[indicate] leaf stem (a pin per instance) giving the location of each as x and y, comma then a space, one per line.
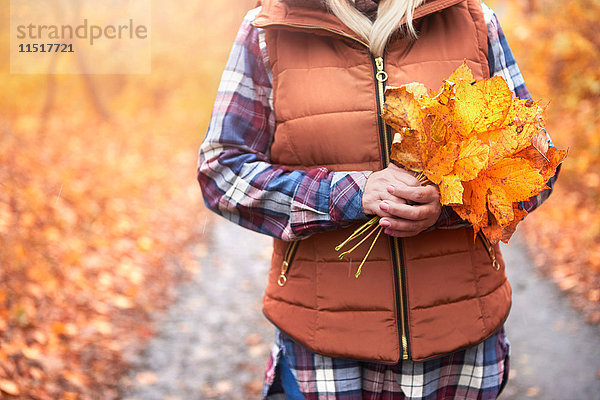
361, 229
379, 230
359, 243
422, 178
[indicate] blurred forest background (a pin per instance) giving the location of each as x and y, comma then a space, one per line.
101, 216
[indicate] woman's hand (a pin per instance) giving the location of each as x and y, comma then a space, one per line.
406, 208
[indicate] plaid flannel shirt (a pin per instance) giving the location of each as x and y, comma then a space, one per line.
477, 373
240, 183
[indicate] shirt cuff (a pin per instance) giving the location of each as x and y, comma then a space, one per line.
345, 200
448, 219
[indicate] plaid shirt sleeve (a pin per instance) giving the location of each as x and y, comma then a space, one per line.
501, 62
238, 180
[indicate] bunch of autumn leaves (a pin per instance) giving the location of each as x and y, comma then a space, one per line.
486, 150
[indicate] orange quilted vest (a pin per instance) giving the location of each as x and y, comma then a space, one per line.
418, 297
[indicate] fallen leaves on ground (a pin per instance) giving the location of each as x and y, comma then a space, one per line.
96, 227
101, 217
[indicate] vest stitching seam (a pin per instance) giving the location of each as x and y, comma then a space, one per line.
477, 285
282, 121
448, 303
290, 303
483, 62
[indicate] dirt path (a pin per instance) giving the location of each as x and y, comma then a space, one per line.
214, 342
555, 354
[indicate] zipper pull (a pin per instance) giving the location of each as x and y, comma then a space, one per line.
287, 259
282, 277
381, 75
495, 263
491, 252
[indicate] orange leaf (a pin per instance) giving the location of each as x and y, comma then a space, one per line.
406, 110
474, 207
405, 150
554, 158
495, 232
442, 163
500, 206
516, 177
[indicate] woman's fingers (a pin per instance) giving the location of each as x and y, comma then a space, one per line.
403, 227
402, 175
415, 194
402, 234
379, 188
406, 208
417, 212
404, 220
387, 192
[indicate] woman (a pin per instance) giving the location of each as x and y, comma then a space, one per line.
296, 150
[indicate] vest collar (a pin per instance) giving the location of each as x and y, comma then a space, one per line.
312, 14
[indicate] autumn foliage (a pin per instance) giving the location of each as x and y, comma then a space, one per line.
486, 150
557, 46
100, 213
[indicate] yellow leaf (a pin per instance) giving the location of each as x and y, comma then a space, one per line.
462, 73
442, 163
525, 111
500, 206
472, 158
508, 141
481, 107
486, 150
405, 109
451, 190
517, 177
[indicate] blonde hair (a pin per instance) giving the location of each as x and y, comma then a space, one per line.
376, 34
